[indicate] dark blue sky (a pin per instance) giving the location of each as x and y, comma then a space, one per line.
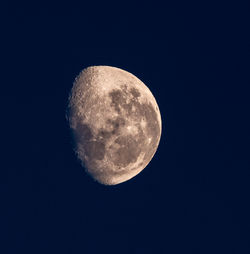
193, 196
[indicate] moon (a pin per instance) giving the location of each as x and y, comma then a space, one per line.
115, 122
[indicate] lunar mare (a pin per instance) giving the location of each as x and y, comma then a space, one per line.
115, 122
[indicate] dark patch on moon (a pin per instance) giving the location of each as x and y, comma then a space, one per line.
117, 99
104, 134
95, 150
135, 92
150, 115
82, 133
128, 151
115, 124
152, 129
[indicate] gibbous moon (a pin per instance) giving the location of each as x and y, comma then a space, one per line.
115, 122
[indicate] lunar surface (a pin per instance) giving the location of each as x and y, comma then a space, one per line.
115, 122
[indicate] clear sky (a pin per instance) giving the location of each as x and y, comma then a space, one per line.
193, 196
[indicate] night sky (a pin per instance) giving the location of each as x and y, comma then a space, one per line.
194, 195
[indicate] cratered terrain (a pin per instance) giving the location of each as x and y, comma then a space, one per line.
115, 122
